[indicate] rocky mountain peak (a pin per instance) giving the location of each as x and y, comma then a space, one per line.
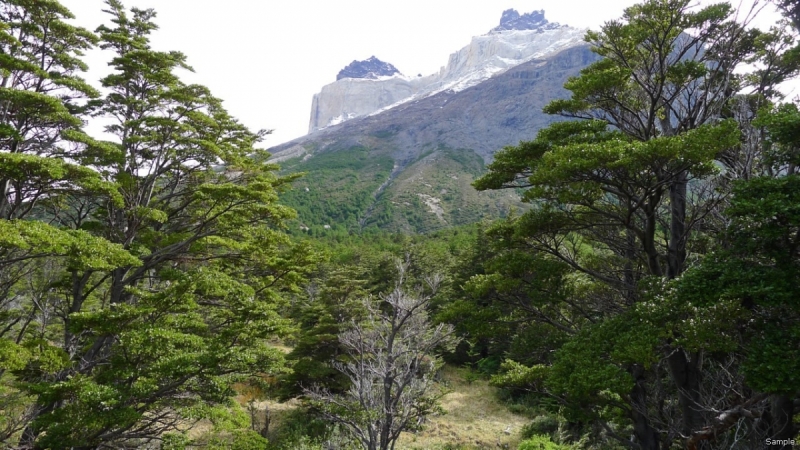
534, 20
371, 68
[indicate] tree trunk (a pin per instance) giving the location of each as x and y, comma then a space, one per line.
31, 432
267, 421
686, 374
5, 189
5, 209
677, 230
649, 237
646, 436
630, 259
781, 413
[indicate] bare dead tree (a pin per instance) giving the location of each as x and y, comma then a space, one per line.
391, 367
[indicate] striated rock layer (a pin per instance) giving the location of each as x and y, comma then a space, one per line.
486, 56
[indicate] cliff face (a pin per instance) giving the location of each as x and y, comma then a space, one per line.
512, 20
517, 40
496, 112
349, 98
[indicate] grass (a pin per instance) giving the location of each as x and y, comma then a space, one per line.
475, 418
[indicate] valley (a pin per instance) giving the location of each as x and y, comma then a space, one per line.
564, 239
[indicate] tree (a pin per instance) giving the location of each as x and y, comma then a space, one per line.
170, 287
506, 300
43, 151
333, 301
791, 10
42, 102
391, 368
756, 266
612, 200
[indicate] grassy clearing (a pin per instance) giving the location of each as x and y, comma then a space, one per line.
475, 419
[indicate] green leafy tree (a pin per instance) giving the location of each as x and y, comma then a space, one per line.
627, 193
173, 260
43, 154
42, 100
507, 301
332, 301
756, 267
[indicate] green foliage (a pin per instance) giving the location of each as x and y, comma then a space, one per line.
142, 279
542, 425
338, 188
79, 249
497, 289
589, 280
229, 430
758, 272
301, 429
239, 440
540, 442
772, 364
355, 266
515, 375
757, 267
331, 305
362, 189
590, 367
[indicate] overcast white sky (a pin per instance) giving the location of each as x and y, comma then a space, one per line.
267, 58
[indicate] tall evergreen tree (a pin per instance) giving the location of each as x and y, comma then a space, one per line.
43, 154
612, 200
169, 290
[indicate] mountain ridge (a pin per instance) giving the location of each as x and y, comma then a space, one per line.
396, 153
485, 56
513, 20
371, 68
410, 168
526, 99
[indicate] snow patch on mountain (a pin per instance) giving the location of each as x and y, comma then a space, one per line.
486, 56
339, 119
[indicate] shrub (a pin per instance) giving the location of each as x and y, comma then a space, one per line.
540, 443
545, 424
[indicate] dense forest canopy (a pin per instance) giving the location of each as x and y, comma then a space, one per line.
152, 297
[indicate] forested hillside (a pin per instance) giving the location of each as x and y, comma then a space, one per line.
156, 292
417, 160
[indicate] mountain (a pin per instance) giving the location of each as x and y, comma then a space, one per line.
518, 39
372, 68
400, 153
512, 20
